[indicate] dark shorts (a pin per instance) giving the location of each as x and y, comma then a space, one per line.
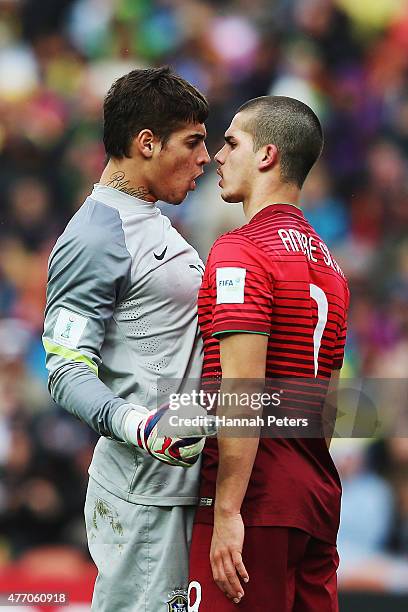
289, 571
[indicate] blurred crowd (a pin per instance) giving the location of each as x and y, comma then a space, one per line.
349, 61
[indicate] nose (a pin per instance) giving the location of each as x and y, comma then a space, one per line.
205, 159
218, 157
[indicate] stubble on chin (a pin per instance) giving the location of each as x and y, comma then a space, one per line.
176, 199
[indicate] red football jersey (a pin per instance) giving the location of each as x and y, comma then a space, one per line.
276, 276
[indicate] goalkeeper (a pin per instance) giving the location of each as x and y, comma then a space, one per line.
121, 318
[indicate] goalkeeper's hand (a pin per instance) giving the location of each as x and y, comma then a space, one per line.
179, 445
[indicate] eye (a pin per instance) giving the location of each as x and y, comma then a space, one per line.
192, 144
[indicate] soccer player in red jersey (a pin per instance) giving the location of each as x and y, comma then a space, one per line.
272, 305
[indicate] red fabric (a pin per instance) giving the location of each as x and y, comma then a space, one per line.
77, 587
294, 482
289, 571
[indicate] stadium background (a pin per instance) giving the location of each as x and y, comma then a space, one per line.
349, 61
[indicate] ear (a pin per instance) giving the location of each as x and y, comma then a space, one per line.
144, 143
269, 157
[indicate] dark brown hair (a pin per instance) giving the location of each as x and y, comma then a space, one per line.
155, 99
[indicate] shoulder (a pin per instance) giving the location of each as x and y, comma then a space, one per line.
235, 245
96, 222
94, 227
93, 236
236, 237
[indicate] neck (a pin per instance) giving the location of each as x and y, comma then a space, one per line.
120, 174
261, 198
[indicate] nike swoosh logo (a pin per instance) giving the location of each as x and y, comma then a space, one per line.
199, 268
160, 257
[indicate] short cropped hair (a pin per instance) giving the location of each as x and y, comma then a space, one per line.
290, 125
155, 99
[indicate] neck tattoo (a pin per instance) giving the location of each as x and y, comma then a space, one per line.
120, 182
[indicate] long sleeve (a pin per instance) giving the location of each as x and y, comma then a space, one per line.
89, 271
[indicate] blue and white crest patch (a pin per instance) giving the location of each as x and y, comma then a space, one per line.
178, 603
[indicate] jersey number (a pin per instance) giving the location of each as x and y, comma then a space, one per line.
319, 296
196, 606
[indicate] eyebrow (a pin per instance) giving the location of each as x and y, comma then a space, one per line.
197, 136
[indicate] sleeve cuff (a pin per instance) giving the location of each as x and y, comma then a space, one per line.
125, 421
239, 331
242, 328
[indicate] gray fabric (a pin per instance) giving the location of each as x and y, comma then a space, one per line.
122, 266
89, 272
141, 552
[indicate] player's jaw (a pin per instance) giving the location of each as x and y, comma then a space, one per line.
177, 187
230, 191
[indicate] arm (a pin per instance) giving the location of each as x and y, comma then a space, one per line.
243, 360
240, 288
89, 273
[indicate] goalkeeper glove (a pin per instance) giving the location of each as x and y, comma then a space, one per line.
181, 446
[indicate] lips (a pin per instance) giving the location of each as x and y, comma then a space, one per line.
193, 181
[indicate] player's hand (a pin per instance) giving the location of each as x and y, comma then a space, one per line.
166, 436
226, 555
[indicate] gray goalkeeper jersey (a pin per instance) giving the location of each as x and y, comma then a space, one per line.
121, 327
